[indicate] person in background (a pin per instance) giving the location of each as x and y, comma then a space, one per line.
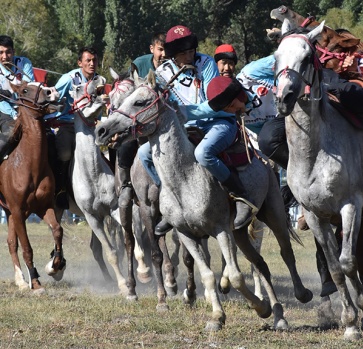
226, 58
154, 59
64, 132
23, 70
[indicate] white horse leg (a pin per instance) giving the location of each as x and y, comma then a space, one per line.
326, 238
143, 271
110, 253
20, 280
209, 282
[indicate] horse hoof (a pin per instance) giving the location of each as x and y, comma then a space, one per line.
132, 298
57, 275
224, 285
39, 291
267, 311
171, 291
189, 298
162, 307
351, 333
144, 277
213, 326
281, 325
306, 297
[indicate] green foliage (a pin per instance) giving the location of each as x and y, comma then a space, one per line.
50, 33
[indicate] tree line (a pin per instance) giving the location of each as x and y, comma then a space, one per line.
50, 32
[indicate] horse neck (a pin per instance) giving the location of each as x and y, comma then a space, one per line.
86, 147
32, 133
172, 151
305, 126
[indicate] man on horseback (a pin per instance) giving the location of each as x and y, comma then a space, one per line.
64, 123
23, 69
189, 88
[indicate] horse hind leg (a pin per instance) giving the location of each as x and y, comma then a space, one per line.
189, 294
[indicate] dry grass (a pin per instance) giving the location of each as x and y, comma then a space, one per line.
82, 312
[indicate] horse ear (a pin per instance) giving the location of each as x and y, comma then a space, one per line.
134, 74
314, 34
114, 75
151, 78
286, 26
349, 42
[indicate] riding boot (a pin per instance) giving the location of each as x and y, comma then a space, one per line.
328, 286
61, 179
5, 145
245, 209
281, 155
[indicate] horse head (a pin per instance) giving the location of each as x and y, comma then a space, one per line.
296, 65
138, 115
36, 96
89, 98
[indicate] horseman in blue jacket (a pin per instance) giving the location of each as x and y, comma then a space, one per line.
190, 89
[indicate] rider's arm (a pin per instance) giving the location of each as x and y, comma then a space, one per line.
202, 111
28, 70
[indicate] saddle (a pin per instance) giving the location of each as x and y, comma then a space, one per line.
235, 156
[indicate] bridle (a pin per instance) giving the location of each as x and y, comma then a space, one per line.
137, 126
314, 66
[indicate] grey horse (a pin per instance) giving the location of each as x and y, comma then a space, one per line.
197, 205
322, 173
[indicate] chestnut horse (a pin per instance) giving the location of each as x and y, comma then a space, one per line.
27, 182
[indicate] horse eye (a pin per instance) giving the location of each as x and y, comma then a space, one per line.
139, 103
25, 90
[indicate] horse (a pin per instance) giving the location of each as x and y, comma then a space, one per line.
93, 180
146, 194
322, 174
195, 203
27, 182
332, 47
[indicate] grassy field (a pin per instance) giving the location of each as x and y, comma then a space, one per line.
82, 312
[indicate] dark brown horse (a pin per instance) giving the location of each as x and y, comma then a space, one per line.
27, 182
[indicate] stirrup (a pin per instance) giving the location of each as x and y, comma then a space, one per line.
254, 209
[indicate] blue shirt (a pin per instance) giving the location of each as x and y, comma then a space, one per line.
23, 69
64, 86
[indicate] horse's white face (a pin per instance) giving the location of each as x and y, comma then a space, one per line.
136, 117
294, 61
89, 97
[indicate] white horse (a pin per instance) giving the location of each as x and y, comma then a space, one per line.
196, 204
325, 162
93, 180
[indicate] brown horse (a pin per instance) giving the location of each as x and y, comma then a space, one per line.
27, 182
334, 49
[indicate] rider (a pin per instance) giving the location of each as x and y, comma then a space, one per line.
154, 59
189, 88
226, 58
23, 69
64, 130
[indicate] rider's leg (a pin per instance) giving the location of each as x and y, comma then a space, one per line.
65, 144
219, 135
6, 128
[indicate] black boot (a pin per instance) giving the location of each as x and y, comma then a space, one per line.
6, 146
245, 209
61, 179
281, 155
162, 227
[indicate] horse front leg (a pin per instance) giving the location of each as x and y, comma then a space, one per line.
57, 264
325, 236
18, 231
13, 247
195, 249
